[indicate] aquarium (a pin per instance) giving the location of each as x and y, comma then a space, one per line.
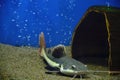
87, 29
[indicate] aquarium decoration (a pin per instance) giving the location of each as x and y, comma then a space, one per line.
97, 36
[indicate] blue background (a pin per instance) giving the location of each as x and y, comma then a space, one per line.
21, 21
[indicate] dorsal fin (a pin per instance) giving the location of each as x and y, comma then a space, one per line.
58, 51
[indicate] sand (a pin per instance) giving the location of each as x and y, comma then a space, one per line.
24, 63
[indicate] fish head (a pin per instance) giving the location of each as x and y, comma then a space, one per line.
73, 69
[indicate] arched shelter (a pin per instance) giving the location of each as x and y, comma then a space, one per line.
97, 37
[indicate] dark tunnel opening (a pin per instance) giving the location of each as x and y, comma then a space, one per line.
90, 39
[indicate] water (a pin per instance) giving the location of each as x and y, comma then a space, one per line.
22, 20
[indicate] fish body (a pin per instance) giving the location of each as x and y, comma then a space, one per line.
57, 58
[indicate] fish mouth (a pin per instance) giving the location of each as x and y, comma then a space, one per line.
73, 72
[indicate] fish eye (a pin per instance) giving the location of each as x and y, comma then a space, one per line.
73, 67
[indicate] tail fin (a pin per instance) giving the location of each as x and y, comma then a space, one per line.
41, 43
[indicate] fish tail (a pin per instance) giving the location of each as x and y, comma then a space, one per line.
42, 44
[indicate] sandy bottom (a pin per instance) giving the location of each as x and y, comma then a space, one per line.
24, 63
